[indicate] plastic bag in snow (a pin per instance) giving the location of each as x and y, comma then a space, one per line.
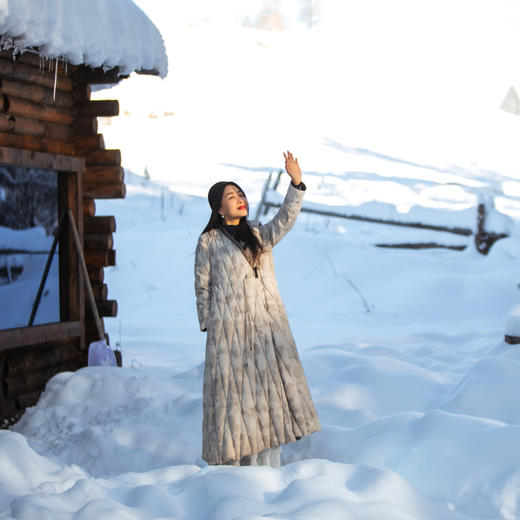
101, 355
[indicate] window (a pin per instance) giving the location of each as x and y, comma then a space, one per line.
36, 192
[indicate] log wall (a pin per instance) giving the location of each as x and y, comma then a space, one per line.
38, 113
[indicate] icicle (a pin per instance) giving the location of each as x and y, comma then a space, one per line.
55, 80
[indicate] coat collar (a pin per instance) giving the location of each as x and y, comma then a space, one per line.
240, 245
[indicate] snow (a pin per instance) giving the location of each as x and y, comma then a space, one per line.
513, 322
403, 350
92, 32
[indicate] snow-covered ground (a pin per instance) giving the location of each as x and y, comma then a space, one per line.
403, 350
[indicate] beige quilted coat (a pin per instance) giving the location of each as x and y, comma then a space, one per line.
255, 393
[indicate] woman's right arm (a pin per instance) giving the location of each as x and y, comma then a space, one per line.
202, 282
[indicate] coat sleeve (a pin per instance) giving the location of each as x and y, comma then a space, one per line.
283, 221
202, 282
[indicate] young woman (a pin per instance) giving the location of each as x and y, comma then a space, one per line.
255, 396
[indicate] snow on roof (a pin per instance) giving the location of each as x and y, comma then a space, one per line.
98, 33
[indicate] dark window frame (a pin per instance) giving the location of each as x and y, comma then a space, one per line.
70, 172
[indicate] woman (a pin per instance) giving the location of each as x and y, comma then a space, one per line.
255, 395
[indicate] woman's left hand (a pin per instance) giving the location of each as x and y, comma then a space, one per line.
293, 168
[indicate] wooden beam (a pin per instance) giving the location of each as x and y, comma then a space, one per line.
32, 381
95, 242
12, 338
95, 225
41, 63
105, 191
97, 76
100, 291
26, 126
85, 126
100, 258
103, 175
418, 225
21, 107
86, 144
423, 245
89, 207
21, 71
95, 274
104, 158
36, 93
98, 108
24, 401
106, 308
81, 92
25, 361
45, 161
38, 144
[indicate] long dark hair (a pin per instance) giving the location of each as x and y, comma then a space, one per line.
245, 233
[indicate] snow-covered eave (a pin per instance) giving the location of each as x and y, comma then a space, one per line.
94, 33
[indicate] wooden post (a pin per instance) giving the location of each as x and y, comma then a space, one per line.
79, 251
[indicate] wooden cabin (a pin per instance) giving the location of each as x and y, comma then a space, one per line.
49, 137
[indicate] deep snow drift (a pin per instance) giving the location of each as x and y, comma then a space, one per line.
416, 397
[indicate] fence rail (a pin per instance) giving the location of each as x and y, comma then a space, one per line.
484, 240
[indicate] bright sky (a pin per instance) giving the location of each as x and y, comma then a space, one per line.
418, 78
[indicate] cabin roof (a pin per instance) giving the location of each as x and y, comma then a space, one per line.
96, 33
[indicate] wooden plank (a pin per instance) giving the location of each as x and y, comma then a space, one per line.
26, 400
423, 245
418, 225
15, 70
22, 107
100, 258
85, 126
97, 76
36, 93
100, 291
45, 161
94, 242
98, 108
27, 126
107, 308
103, 175
81, 92
13, 338
29, 382
104, 158
38, 144
105, 191
86, 144
23, 360
89, 207
95, 274
96, 225
31, 57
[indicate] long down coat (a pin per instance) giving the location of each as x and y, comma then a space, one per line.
255, 394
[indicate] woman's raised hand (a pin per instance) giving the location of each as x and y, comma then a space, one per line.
293, 168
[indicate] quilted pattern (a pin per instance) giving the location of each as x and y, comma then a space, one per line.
255, 393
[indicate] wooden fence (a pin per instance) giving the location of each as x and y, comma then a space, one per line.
484, 239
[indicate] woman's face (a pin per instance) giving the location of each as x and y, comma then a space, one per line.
233, 205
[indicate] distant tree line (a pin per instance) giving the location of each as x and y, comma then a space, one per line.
28, 198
